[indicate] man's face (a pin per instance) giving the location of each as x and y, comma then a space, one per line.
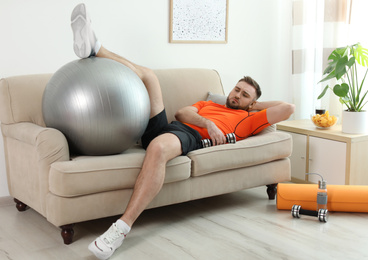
242, 96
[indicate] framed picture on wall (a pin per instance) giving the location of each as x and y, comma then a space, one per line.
198, 21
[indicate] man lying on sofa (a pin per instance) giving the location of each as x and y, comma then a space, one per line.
164, 141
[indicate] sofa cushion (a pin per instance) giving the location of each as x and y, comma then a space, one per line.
254, 150
93, 174
217, 98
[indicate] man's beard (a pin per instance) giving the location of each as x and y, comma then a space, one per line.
230, 105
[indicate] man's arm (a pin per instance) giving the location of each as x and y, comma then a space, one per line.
190, 115
277, 111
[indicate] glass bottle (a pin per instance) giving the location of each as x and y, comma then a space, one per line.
321, 193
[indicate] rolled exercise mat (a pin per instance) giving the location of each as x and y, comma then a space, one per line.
343, 198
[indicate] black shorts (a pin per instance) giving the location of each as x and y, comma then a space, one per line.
190, 139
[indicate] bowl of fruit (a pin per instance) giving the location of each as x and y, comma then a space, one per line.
324, 121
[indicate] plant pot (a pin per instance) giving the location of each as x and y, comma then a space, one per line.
354, 122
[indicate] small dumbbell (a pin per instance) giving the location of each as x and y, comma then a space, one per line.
230, 138
321, 214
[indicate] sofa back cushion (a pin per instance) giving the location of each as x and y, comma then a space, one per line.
184, 87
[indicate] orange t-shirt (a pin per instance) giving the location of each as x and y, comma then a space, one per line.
228, 120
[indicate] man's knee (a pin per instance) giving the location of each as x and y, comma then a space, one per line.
156, 147
166, 146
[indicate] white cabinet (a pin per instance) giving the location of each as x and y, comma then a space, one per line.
317, 155
340, 158
298, 157
328, 158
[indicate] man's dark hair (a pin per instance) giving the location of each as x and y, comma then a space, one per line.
253, 83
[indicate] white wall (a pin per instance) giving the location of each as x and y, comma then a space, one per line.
36, 38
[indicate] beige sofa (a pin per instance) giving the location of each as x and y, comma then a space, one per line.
66, 190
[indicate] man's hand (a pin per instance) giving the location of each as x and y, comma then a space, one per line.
190, 115
216, 134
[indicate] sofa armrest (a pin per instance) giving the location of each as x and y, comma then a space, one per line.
30, 150
51, 145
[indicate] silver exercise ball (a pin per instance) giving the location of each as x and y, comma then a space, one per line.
100, 105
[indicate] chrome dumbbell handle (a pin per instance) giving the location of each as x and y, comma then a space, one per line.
321, 214
230, 138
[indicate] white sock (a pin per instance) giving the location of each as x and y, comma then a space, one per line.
96, 49
124, 226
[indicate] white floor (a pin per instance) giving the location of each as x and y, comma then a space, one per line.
241, 225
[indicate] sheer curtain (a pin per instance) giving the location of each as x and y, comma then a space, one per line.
319, 26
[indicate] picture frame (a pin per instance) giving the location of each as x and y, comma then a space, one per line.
198, 21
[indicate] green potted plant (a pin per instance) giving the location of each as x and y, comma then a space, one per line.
343, 67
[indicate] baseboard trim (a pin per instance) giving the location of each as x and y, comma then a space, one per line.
6, 201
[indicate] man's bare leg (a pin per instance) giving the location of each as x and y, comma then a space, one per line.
151, 178
148, 184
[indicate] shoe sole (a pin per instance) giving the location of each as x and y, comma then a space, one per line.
92, 248
80, 26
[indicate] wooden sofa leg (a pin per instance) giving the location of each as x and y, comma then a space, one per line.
67, 233
20, 205
271, 191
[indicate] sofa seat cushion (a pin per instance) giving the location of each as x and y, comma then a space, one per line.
92, 174
254, 150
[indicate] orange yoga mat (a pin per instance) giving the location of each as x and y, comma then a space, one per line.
343, 198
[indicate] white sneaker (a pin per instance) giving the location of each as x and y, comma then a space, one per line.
106, 244
84, 37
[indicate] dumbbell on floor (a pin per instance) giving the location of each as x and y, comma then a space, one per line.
321, 214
